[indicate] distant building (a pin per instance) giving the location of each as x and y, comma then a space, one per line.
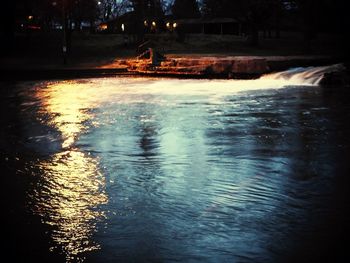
129, 23
125, 23
223, 26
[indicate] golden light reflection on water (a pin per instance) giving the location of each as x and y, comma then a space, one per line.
67, 199
72, 187
68, 105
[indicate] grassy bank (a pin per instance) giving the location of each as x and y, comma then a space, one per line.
45, 50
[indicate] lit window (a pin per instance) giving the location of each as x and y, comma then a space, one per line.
103, 26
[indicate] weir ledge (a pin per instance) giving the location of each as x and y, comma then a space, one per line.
176, 66
218, 66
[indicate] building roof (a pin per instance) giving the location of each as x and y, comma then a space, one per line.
218, 20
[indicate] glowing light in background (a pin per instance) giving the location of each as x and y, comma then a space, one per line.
103, 27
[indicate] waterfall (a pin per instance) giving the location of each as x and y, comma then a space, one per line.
304, 75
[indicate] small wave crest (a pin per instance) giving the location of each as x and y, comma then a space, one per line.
305, 75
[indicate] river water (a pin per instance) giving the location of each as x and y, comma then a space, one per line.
168, 170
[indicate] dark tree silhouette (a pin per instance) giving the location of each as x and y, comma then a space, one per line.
110, 9
146, 10
321, 16
7, 26
258, 14
220, 8
186, 9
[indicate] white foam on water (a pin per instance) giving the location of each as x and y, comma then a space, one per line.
150, 90
304, 76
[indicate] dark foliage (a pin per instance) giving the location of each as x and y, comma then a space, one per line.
186, 9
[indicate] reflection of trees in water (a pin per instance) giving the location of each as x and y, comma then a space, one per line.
148, 132
280, 152
129, 151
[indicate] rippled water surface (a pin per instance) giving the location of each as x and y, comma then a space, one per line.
145, 170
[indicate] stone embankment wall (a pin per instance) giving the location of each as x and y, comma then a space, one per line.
215, 66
